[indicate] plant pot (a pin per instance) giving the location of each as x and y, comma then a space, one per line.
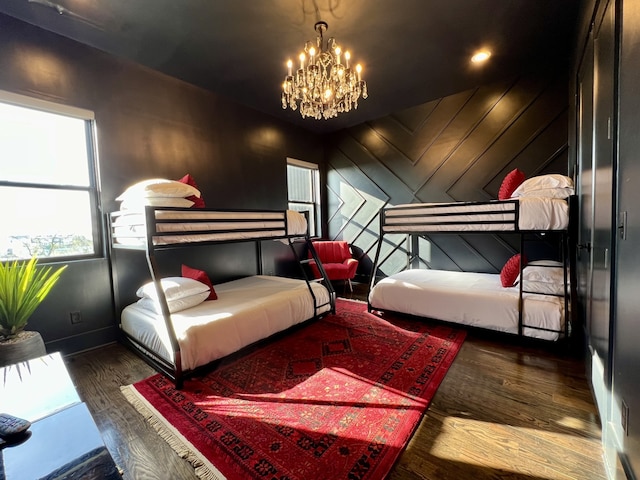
24, 346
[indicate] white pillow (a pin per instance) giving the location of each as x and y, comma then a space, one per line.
139, 203
563, 192
174, 305
544, 271
543, 182
159, 187
174, 288
543, 287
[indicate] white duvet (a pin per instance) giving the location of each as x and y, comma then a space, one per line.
468, 298
247, 310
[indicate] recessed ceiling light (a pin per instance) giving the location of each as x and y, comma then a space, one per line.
481, 56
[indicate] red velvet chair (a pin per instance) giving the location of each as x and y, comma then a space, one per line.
336, 259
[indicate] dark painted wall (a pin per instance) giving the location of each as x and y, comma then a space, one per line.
148, 125
454, 148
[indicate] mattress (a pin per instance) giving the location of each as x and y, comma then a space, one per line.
173, 226
247, 310
468, 298
527, 213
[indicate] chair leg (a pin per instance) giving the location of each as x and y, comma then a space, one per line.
350, 285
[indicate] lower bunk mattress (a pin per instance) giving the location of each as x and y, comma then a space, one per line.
469, 298
247, 310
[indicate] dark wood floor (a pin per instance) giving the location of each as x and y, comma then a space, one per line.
504, 411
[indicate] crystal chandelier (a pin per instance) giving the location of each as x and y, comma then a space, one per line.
323, 87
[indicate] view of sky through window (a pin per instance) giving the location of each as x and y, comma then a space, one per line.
45, 193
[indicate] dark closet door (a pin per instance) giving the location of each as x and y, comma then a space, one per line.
602, 188
585, 181
626, 359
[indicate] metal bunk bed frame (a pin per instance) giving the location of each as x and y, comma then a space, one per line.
151, 243
496, 210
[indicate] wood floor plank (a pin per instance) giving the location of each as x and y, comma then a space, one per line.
503, 411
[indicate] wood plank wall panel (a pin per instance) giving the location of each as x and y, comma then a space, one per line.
456, 148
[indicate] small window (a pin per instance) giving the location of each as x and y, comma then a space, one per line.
48, 187
303, 184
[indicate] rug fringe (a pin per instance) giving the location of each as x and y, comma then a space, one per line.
202, 467
351, 300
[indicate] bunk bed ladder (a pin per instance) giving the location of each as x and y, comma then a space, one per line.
569, 297
324, 279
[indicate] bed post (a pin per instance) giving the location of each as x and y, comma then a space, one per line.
259, 257
520, 283
415, 251
376, 258
162, 299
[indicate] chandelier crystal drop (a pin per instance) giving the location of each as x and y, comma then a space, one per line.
323, 86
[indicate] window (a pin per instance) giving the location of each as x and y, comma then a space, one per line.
303, 184
48, 187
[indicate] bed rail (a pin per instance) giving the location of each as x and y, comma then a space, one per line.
164, 227
488, 216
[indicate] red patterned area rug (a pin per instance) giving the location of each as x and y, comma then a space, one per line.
336, 399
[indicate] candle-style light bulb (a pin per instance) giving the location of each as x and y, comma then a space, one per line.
347, 56
338, 52
289, 65
302, 58
359, 70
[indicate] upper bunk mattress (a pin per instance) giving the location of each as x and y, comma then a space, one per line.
526, 213
468, 298
175, 226
247, 310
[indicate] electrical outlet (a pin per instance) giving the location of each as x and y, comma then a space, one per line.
75, 317
625, 417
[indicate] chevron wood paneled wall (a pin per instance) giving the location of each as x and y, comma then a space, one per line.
456, 148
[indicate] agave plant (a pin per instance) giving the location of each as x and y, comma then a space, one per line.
23, 286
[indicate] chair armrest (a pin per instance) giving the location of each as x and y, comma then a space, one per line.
352, 263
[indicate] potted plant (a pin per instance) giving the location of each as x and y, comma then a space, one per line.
23, 286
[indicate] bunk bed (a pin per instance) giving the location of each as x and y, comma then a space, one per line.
538, 301
177, 325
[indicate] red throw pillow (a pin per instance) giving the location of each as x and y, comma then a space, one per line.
200, 276
198, 202
512, 181
511, 270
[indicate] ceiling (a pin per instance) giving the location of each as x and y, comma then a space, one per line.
412, 51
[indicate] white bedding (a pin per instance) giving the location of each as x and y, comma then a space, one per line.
468, 298
129, 227
535, 213
247, 310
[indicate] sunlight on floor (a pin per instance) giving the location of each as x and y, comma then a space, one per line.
572, 422
502, 447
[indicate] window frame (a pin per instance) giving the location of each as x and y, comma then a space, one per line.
93, 187
315, 192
